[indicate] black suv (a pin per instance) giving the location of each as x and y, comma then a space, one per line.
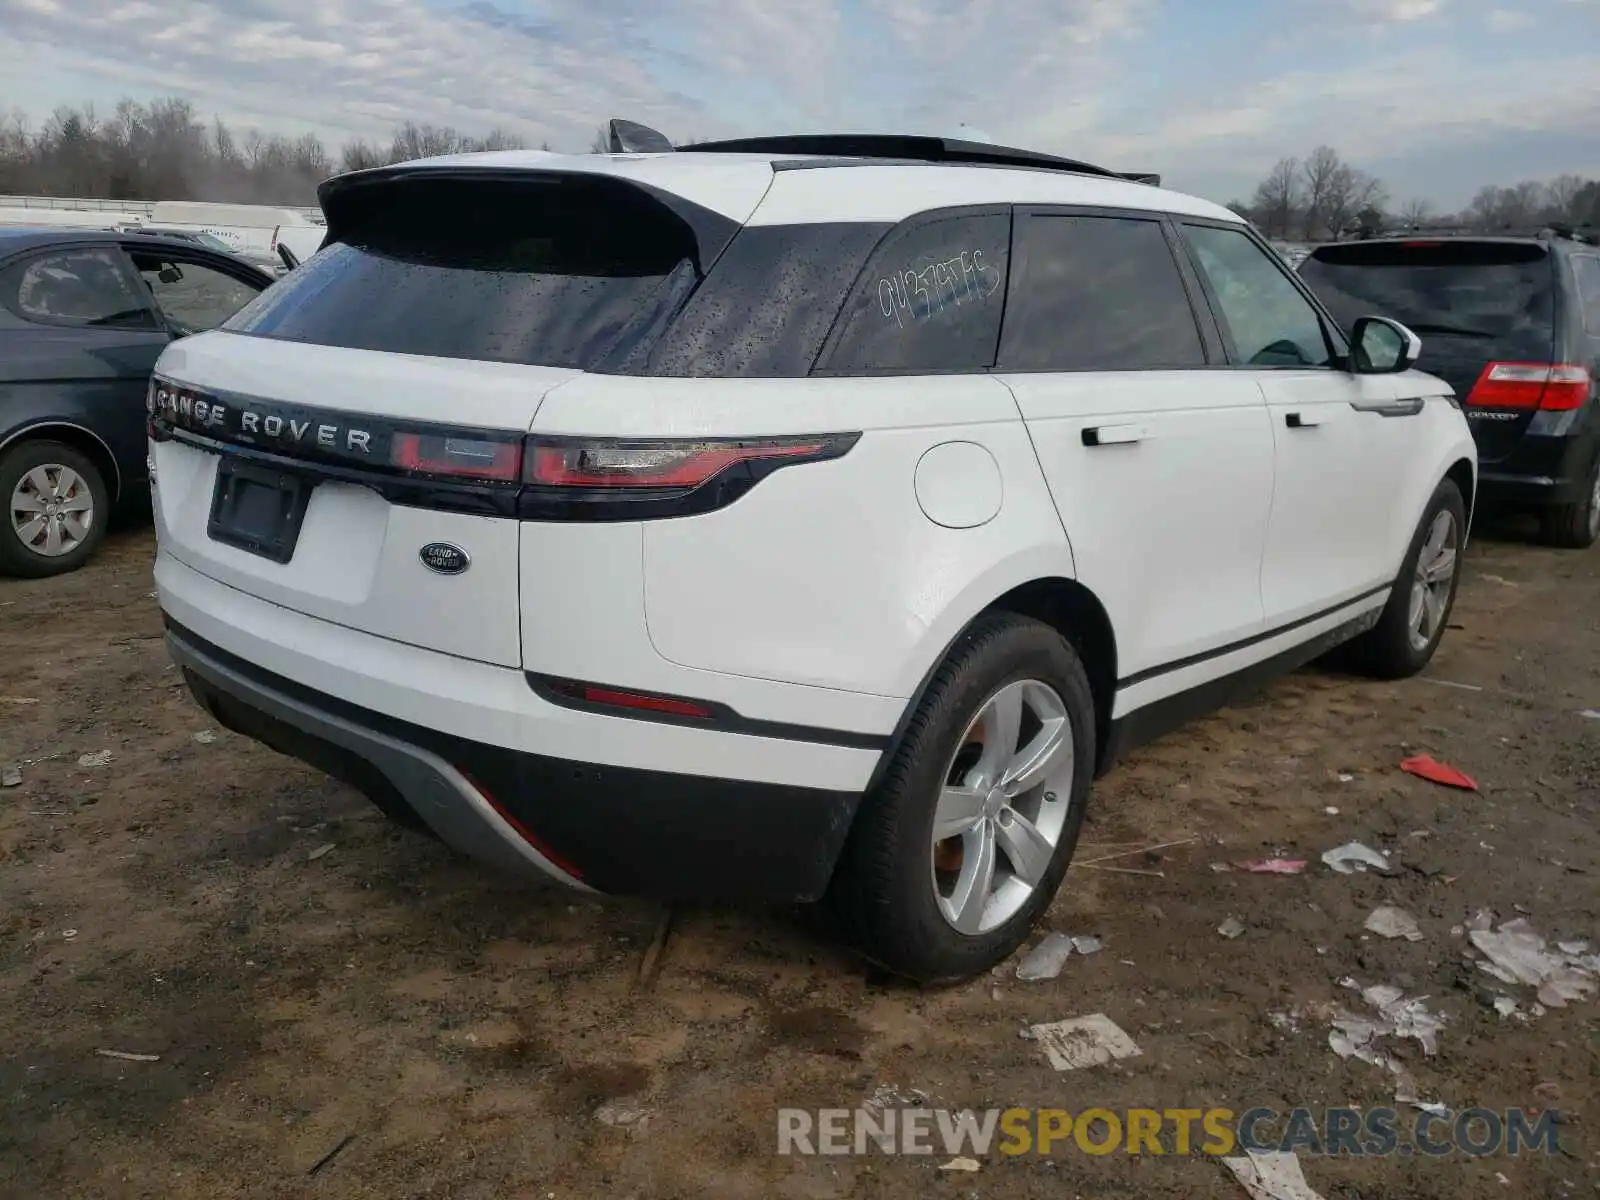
1513, 324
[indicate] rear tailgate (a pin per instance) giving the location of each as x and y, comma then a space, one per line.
350, 444
357, 558
1472, 301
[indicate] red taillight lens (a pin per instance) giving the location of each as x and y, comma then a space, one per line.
456, 457
610, 697
1568, 388
611, 464
1556, 386
660, 704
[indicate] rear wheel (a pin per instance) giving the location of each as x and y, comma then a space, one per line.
1414, 620
961, 847
56, 505
1575, 526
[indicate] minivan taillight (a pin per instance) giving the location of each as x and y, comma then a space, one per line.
1553, 386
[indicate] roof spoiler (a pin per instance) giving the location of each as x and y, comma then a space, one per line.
630, 137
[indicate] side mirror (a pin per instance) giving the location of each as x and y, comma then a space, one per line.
1379, 346
169, 274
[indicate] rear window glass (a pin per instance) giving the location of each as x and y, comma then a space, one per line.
1586, 267
1475, 291
560, 272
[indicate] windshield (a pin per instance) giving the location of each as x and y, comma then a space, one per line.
1493, 292
559, 272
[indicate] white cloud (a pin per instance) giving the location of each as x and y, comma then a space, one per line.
1072, 76
1505, 20
1384, 110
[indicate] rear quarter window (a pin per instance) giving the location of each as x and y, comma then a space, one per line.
560, 271
929, 300
768, 304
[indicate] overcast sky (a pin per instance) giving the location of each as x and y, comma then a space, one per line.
1435, 96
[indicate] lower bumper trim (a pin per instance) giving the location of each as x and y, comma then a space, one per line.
623, 829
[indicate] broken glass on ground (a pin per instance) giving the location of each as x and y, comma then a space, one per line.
1516, 954
1391, 922
1353, 856
1046, 959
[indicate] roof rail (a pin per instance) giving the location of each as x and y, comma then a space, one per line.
906, 146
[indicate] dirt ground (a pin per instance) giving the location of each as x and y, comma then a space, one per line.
453, 1035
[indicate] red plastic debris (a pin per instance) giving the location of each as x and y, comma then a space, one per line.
1274, 866
1424, 766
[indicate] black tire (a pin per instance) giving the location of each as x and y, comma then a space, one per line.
1575, 526
17, 557
1387, 651
882, 898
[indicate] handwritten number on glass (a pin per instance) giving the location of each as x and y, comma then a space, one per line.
920, 295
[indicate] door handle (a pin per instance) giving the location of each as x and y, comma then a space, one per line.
1115, 435
1409, 407
1305, 420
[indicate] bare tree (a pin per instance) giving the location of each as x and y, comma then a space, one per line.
358, 155
1561, 197
1414, 213
163, 150
1352, 198
423, 141
1277, 198
1322, 173
601, 142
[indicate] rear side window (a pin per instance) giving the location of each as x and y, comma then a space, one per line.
1586, 267
89, 287
766, 307
1096, 294
192, 296
1493, 297
929, 300
560, 271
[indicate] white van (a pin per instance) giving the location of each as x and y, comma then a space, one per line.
248, 228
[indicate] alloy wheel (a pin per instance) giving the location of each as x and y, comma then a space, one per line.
1430, 590
1004, 805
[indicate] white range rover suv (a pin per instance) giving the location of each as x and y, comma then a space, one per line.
793, 519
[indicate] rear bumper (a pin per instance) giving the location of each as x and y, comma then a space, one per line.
1541, 470
612, 829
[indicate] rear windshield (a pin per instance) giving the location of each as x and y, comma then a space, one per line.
1491, 292
560, 271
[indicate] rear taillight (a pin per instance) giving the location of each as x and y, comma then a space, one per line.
617, 479
1554, 386
607, 464
456, 457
